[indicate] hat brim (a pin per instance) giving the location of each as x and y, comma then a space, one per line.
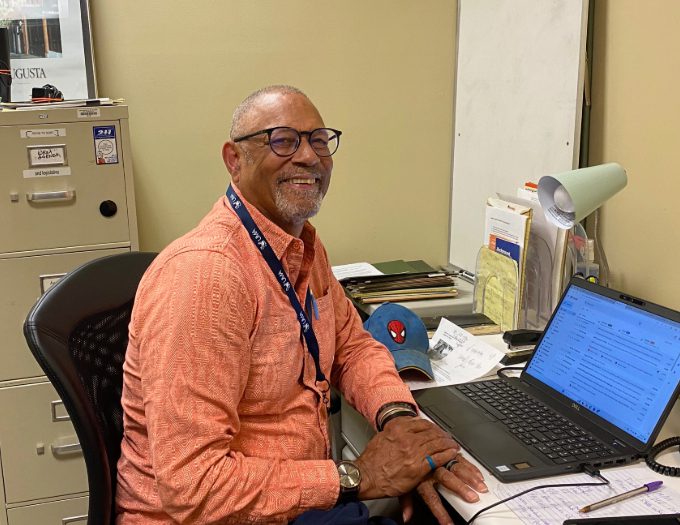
413, 360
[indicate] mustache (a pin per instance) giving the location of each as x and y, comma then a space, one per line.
300, 172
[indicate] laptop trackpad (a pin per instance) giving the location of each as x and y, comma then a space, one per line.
454, 418
495, 447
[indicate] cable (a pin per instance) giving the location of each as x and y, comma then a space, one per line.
501, 371
656, 450
589, 469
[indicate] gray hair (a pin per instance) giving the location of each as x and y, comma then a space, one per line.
244, 108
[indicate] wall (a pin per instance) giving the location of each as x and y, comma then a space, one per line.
381, 71
636, 122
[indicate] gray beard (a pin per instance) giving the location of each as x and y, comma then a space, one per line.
296, 212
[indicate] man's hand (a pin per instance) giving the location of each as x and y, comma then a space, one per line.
394, 461
461, 480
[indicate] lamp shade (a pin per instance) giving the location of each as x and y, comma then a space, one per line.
569, 197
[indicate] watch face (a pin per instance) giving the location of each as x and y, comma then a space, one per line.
350, 477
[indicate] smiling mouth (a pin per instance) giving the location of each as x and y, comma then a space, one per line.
304, 181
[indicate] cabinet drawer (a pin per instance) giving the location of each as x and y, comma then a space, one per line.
63, 512
58, 205
22, 280
35, 435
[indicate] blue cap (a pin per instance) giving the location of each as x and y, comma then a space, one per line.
404, 335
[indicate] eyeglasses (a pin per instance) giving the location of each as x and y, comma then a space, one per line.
285, 141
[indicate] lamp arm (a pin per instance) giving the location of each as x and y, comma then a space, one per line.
557, 281
601, 258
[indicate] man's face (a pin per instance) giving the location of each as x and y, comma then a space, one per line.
287, 190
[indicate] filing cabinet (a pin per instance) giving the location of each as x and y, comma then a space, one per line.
66, 197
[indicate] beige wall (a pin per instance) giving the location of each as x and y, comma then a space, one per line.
381, 71
636, 122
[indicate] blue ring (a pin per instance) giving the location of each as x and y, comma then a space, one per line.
433, 465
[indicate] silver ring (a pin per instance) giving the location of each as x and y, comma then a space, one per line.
449, 465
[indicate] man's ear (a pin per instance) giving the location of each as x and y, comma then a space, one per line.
232, 159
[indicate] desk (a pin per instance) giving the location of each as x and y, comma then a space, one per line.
356, 432
502, 515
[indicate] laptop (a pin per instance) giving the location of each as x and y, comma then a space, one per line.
600, 384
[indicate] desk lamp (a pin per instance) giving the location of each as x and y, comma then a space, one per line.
569, 197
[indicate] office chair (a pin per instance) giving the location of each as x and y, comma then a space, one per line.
78, 333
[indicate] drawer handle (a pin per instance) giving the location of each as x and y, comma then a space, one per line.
74, 519
66, 450
51, 196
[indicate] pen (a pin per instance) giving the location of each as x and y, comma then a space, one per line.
647, 487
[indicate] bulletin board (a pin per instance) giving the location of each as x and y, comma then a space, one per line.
518, 100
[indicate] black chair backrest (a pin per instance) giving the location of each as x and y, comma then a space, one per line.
78, 333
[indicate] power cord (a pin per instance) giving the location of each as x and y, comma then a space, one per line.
656, 450
589, 469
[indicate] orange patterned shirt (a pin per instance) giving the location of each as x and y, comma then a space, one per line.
223, 422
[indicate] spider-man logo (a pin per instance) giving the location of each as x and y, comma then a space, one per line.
397, 331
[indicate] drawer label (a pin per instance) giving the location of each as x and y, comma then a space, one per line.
42, 133
88, 112
48, 281
105, 147
54, 155
46, 172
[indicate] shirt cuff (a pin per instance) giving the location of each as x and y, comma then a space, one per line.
320, 484
381, 397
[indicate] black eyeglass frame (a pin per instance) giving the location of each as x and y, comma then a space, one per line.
269, 132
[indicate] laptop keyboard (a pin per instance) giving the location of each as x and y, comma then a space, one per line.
536, 424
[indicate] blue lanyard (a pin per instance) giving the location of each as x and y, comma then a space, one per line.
274, 264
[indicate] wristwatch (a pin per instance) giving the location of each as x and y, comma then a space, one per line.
350, 478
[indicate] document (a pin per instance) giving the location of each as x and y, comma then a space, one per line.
538, 263
506, 231
360, 269
508, 222
553, 506
457, 357
496, 293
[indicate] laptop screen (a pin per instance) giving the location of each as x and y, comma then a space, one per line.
611, 357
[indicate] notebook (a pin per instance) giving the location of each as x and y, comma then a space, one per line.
596, 391
650, 519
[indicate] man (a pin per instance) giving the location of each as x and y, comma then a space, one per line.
237, 330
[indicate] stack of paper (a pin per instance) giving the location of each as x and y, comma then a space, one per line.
401, 281
500, 267
74, 103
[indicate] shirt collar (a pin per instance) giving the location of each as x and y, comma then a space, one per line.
278, 239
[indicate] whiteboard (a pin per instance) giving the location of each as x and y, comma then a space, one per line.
519, 91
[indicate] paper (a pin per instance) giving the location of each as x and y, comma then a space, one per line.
496, 288
506, 221
539, 262
553, 506
360, 269
506, 231
457, 357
